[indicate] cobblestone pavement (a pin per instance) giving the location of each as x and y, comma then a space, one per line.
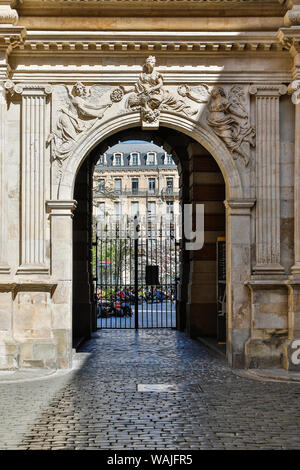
99, 406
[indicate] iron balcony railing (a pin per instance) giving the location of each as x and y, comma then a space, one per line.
139, 193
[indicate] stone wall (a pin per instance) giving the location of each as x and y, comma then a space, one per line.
229, 83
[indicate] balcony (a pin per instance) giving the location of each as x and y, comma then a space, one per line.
165, 193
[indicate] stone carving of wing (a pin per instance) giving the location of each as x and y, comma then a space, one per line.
198, 93
96, 93
62, 95
237, 98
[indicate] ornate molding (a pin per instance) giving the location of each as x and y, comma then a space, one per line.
289, 38
138, 42
11, 37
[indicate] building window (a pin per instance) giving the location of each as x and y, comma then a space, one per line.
101, 210
169, 160
118, 186
117, 210
102, 160
134, 161
151, 210
135, 185
170, 209
151, 157
134, 209
117, 161
101, 185
151, 185
169, 182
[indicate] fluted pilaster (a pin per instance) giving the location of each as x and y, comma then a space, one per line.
33, 109
4, 268
268, 178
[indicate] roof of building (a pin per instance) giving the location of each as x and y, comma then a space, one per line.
128, 147
135, 146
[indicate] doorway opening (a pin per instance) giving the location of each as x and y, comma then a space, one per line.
136, 248
163, 284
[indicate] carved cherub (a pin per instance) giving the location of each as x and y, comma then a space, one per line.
229, 120
78, 116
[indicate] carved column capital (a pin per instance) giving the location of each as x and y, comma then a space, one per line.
293, 86
8, 15
268, 90
294, 90
35, 89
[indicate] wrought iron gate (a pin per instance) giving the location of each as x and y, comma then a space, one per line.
136, 271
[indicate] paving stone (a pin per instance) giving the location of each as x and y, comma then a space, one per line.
99, 406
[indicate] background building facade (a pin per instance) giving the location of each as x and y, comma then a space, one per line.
136, 178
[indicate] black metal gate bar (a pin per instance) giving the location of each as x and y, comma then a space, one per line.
126, 299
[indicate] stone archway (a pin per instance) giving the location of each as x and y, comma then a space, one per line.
65, 187
238, 211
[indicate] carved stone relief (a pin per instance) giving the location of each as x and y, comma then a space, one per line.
151, 97
229, 119
82, 109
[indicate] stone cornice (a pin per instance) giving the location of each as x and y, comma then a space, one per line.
204, 2
289, 38
147, 42
11, 37
146, 8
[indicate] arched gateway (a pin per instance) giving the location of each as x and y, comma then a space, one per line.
204, 106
